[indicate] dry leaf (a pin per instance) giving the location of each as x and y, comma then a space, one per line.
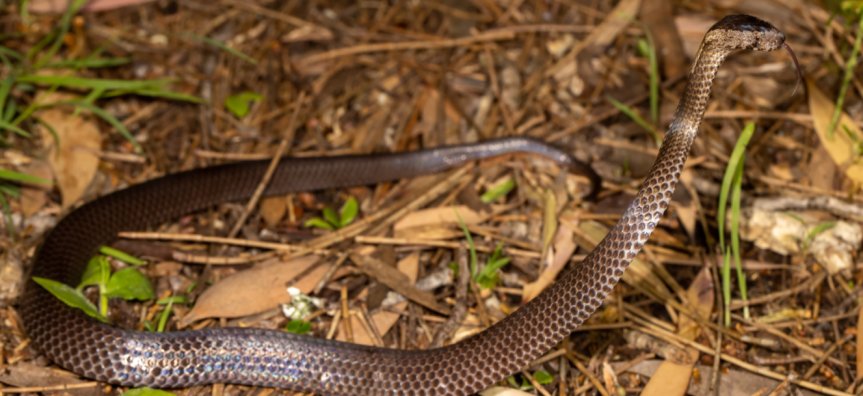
841, 146
559, 255
429, 232
501, 391
384, 320
439, 216
255, 290
700, 293
34, 196
510, 87
308, 33
60, 6
672, 376
273, 210
821, 170
75, 165
733, 382
618, 19
23, 374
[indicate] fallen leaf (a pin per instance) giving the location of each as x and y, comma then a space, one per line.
501, 391
273, 210
429, 232
618, 19
308, 33
59, 6
384, 320
559, 254
840, 146
821, 170
672, 376
23, 374
732, 382
439, 216
256, 290
75, 164
398, 282
34, 196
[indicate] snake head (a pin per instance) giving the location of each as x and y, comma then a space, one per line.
737, 32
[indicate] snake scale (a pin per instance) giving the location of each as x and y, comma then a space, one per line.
279, 359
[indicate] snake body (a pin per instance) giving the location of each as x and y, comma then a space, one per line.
280, 359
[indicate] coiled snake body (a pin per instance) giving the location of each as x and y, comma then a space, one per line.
279, 359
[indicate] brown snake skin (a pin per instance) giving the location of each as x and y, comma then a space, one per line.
279, 359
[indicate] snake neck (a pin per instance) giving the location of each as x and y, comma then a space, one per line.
690, 110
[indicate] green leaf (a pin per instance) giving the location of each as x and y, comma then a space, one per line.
145, 391
318, 223
543, 377
298, 326
239, 104
331, 217
130, 284
17, 176
498, 191
454, 267
98, 272
349, 212
70, 296
120, 255
487, 278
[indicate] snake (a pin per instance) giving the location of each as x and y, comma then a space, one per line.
271, 358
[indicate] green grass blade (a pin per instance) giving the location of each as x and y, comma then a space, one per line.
18, 176
5, 87
7, 211
53, 133
498, 191
221, 46
736, 186
11, 53
473, 261
849, 72
736, 156
13, 128
121, 255
157, 93
10, 190
637, 118
94, 83
88, 63
107, 117
65, 23
726, 284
